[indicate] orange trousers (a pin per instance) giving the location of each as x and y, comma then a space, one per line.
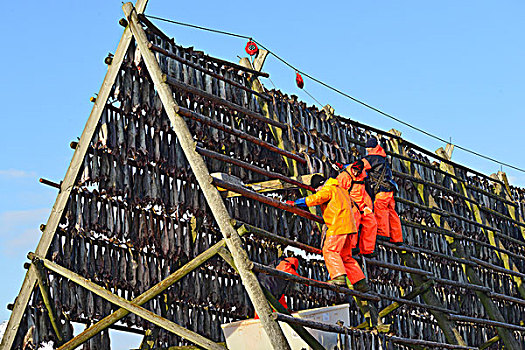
337, 254
388, 223
367, 237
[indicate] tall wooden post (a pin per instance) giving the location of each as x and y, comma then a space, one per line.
215, 202
67, 185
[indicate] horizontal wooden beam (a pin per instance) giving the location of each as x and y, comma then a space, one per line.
333, 328
223, 102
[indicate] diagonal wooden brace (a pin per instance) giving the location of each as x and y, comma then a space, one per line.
131, 307
144, 297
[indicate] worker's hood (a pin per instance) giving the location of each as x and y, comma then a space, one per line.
377, 151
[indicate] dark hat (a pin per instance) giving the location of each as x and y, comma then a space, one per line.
317, 180
358, 166
371, 142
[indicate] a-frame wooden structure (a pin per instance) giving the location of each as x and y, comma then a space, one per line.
443, 203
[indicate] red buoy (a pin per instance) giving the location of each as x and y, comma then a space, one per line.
251, 48
299, 80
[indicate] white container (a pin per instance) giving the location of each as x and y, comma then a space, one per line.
249, 334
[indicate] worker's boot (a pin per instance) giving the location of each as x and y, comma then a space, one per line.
338, 281
367, 307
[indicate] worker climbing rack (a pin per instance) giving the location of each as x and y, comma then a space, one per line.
141, 240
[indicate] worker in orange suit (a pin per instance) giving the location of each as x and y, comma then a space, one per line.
277, 286
336, 207
383, 187
352, 179
338, 216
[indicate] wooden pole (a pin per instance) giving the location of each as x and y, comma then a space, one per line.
396, 305
303, 333
123, 303
144, 297
327, 327
67, 184
43, 284
215, 202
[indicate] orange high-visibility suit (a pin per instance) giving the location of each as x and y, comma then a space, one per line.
336, 207
277, 286
388, 223
363, 209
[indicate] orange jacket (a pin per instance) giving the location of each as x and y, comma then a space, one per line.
289, 265
358, 192
336, 207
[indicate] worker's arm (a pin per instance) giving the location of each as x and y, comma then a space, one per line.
367, 164
318, 198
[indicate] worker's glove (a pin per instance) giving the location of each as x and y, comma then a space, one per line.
292, 203
337, 166
367, 211
301, 202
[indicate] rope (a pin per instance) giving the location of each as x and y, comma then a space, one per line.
338, 91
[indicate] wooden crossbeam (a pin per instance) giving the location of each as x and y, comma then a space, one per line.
130, 306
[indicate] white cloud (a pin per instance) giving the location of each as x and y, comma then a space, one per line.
17, 174
19, 229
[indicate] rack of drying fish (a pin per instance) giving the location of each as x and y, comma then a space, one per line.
135, 215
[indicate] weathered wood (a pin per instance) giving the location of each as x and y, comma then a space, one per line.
160, 50
477, 320
130, 306
300, 330
263, 233
307, 337
327, 327
490, 342
146, 296
267, 200
220, 101
43, 284
448, 327
208, 121
68, 183
215, 202
275, 238
396, 305
457, 250
310, 282
300, 181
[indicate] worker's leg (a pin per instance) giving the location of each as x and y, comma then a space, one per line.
396, 234
355, 237
381, 213
332, 247
367, 239
352, 269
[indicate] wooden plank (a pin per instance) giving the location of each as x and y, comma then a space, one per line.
130, 306
272, 185
215, 201
67, 184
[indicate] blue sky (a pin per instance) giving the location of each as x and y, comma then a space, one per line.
455, 69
